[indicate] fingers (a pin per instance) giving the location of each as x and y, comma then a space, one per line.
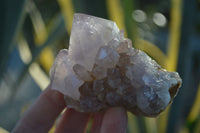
73, 122
114, 121
40, 117
96, 123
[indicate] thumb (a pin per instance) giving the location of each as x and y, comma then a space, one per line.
114, 121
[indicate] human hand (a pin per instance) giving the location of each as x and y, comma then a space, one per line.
40, 117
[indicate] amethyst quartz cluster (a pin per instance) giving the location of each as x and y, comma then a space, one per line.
101, 69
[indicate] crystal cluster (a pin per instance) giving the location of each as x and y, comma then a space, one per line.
101, 70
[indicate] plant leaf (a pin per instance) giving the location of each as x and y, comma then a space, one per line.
13, 16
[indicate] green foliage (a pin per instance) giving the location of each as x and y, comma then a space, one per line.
12, 16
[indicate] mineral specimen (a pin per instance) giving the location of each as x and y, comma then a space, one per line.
101, 70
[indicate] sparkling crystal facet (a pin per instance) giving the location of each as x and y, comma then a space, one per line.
107, 57
87, 36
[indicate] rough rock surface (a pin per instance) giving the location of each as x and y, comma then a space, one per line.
101, 69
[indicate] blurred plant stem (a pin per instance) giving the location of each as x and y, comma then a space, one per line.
54, 36
172, 52
196, 108
115, 13
128, 8
46, 57
14, 12
67, 12
174, 35
189, 72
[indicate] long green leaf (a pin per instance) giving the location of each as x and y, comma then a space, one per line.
12, 19
128, 7
188, 69
54, 37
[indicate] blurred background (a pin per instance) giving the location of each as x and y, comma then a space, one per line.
33, 31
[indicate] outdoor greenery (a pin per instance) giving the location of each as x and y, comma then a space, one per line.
33, 31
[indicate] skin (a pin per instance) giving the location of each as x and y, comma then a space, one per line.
40, 117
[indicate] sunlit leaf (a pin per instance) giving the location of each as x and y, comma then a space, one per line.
188, 68
67, 12
56, 34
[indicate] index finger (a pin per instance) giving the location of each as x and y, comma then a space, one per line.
41, 115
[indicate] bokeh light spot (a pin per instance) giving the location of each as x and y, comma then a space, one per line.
159, 19
139, 16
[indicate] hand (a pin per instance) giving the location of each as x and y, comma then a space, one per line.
41, 116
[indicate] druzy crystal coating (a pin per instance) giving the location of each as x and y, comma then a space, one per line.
101, 70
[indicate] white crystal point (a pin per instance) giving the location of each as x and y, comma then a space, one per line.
63, 77
106, 57
88, 34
